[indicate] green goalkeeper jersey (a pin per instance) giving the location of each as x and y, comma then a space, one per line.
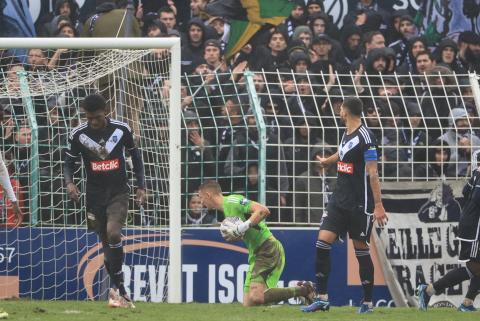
237, 205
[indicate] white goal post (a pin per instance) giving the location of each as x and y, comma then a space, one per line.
174, 229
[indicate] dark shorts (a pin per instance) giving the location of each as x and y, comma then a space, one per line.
355, 221
105, 207
469, 233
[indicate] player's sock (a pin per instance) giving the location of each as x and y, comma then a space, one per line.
275, 295
115, 262
452, 278
106, 257
366, 273
473, 289
322, 266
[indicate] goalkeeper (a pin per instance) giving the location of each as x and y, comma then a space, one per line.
266, 256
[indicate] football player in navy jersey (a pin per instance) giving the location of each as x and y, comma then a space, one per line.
355, 204
469, 236
101, 142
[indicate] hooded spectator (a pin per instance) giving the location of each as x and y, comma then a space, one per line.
446, 53
469, 51
462, 142
407, 30
299, 62
351, 37
192, 49
64, 8
438, 161
315, 6
393, 31
368, 15
271, 56
321, 23
296, 18
415, 45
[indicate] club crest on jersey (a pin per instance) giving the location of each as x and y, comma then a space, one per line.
114, 139
347, 146
243, 201
346, 168
106, 165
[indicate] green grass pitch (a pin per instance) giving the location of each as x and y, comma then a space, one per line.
98, 311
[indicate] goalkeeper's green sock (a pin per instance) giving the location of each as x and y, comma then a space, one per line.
275, 295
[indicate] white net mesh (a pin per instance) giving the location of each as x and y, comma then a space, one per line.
41, 95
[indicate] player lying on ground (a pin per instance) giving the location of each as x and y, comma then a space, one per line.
354, 205
101, 142
266, 257
469, 236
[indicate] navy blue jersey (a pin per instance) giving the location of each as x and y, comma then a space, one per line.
353, 185
471, 190
103, 153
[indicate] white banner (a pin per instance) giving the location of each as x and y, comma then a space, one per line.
420, 239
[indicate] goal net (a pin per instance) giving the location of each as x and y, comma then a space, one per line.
53, 255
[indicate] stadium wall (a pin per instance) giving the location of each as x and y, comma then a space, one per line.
213, 270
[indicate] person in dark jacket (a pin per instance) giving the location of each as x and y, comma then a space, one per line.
197, 214
296, 18
438, 160
109, 21
63, 9
198, 162
192, 49
414, 46
351, 37
446, 54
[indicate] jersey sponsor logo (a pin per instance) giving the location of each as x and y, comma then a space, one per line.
347, 146
106, 165
346, 168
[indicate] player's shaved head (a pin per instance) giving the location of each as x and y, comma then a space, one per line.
354, 106
211, 187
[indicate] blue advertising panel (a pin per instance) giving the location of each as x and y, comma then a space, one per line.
68, 264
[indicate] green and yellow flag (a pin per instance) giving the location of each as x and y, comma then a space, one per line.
259, 13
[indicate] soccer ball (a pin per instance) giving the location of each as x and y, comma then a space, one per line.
227, 226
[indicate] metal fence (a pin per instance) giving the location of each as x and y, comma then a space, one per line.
426, 126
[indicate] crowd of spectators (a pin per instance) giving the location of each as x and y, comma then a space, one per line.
420, 111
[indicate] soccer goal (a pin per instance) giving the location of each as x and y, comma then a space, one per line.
43, 82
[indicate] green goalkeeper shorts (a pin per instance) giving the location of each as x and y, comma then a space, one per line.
266, 264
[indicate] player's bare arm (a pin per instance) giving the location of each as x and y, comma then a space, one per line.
139, 171
325, 162
259, 213
379, 213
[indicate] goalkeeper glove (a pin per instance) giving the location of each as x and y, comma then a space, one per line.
240, 229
